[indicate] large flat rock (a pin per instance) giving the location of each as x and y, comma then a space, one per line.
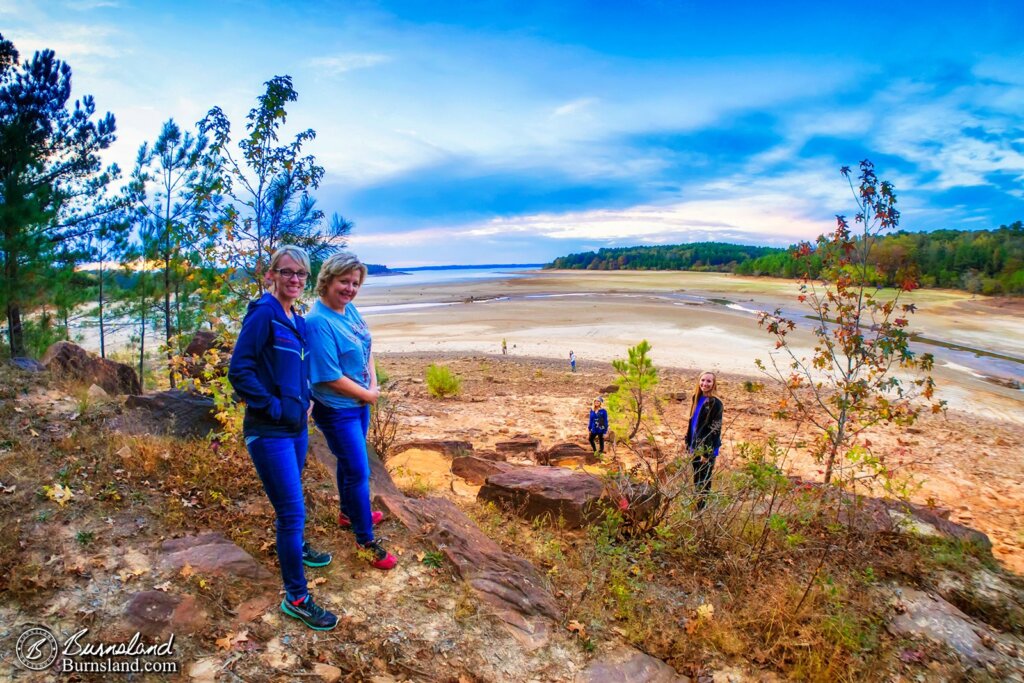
211, 553
550, 492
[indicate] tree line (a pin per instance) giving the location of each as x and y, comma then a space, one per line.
176, 244
978, 261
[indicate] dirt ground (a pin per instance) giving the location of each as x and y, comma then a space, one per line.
971, 464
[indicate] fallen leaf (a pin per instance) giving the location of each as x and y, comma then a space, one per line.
7, 489
165, 586
186, 571
312, 583
706, 612
127, 575
58, 493
578, 628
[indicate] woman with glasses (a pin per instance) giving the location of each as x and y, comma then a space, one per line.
344, 387
270, 371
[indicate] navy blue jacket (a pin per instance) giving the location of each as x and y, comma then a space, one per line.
598, 421
709, 427
270, 370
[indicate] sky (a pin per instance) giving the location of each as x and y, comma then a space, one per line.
515, 132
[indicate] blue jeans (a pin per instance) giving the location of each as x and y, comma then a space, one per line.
279, 462
345, 430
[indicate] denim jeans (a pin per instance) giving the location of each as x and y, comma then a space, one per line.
345, 431
279, 461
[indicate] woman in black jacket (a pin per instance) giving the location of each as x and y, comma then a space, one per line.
704, 434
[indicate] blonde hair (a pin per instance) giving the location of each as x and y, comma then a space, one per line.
336, 265
696, 390
298, 254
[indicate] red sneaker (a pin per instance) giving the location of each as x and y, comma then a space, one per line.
345, 523
381, 558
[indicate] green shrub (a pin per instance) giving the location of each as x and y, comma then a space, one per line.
442, 382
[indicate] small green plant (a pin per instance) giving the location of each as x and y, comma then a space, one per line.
442, 382
634, 399
85, 537
433, 559
752, 387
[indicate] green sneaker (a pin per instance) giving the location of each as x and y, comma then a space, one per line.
310, 613
314, 558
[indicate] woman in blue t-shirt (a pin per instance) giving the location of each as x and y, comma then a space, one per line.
704, 434
344, 387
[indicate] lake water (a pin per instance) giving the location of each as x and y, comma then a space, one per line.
447, 275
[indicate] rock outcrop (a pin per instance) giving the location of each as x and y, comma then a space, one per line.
70, 360
211, 553
183, 414
476, 470
551, 492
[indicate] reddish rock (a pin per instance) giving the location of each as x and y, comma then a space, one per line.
624, 664
567, 454
550, 492
182, 413
450, 448
490, 455
520, 444
509, 585
157, 614
610, 389
213, 554
476, 470
70, 360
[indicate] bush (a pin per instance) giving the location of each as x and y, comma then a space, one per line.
442, 382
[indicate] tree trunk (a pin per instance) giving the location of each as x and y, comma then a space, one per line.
103, 347
15, 335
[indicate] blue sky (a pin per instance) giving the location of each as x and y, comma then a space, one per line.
516, 131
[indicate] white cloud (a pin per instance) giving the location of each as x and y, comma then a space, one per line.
339, 64
574, 106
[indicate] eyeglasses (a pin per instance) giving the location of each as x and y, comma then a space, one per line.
288, 273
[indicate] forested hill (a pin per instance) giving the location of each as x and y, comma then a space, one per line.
979, 261
716, 256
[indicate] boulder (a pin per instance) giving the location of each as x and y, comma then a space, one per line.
924, 615
184, 414
509, 586
475, 470
28, 364
521, 445
610, 389
451, 448
624, 664
70, 360
212, 554
156, 614
567, 455
552, 492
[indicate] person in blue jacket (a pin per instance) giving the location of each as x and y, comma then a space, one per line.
269, 370
704, 434
598, 426
344, 387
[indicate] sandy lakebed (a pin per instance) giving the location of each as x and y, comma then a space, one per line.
970, 459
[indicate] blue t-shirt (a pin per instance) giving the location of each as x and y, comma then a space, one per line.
339, 346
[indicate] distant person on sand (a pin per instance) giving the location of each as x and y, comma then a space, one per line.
344, 387
270, 371
504, 347
704, 434
598, 425
572, 360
